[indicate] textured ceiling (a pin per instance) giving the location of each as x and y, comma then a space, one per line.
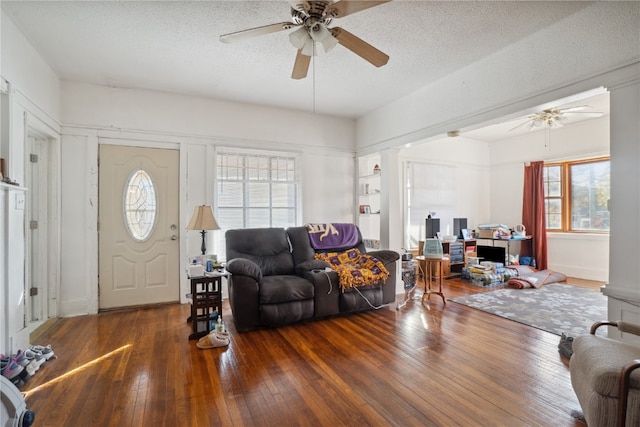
174, 47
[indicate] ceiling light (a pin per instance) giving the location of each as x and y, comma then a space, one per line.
299, 37
309, 48
320, 33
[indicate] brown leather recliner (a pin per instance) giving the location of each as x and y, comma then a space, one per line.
275, 279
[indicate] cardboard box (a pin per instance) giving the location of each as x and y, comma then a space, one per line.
486, 234
195, 270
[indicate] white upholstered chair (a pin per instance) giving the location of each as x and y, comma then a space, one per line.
606, 378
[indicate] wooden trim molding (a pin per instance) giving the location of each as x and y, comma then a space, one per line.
631, 296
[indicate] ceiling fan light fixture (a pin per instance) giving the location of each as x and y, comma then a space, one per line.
329, 43
321, 34
309, 47
299, 37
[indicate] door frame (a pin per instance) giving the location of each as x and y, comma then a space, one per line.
34, 128
197, 173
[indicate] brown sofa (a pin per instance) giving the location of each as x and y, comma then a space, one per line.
275, 279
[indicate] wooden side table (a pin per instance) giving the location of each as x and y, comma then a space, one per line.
434, 272
206, 298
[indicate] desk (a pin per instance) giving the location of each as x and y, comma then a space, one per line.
434, 272
206, 299
527, 240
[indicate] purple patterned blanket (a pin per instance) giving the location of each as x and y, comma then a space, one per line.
331, 236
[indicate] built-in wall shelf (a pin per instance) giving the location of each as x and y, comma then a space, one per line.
369, 197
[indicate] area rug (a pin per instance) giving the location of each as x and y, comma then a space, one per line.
557, 308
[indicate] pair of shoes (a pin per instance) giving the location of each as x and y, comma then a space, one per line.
566, 346
213, 339
35, 358
46, 350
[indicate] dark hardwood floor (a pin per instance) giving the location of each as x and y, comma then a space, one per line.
430, 365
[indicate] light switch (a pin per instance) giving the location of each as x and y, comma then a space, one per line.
20, 200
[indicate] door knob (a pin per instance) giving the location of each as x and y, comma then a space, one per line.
174, 237
173, 226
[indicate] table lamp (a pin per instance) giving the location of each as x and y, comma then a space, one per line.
203, 220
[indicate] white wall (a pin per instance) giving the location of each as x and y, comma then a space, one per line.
78, 263
623, 288
328, 194
255, 126
34, 89
472, 174
97, 114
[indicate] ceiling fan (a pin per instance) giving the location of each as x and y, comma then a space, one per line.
312, 20
555, 117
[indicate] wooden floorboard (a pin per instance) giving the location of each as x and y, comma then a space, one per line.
423, 365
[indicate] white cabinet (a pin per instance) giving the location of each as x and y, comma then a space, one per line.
13, 334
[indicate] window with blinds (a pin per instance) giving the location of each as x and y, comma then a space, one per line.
428, 188
256, 189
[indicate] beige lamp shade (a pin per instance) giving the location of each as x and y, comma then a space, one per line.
202, 220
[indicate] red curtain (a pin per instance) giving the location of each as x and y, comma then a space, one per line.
533, 212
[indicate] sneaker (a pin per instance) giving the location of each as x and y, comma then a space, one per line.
35, 356
20, 358
31, 369
14, 372
34, 365
46, 351
566, 346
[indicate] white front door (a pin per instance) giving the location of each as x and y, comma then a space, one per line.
138, 226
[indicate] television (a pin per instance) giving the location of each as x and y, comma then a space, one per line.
491, 253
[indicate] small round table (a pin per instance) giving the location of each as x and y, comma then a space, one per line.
433, 272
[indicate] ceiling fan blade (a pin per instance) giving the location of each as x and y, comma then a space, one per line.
301, 66
360, 47
574, 109
526, 122
344, 8
258, 31
584, 114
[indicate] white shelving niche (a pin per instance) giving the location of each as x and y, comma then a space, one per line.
369, 185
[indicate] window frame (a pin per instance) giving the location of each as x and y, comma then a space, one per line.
566, 194
252, 175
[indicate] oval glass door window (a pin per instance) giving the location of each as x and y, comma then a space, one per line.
140, 202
